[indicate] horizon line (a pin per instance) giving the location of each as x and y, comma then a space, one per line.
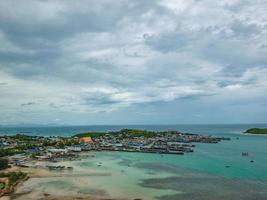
73, 125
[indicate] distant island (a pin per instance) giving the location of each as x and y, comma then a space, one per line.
256, 131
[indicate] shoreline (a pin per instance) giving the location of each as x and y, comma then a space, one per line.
252, 134
81, 183
32, 189
44, 173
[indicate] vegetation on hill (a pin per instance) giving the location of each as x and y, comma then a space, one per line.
91, 134
137, 133
23, 137
257, 131
125, 133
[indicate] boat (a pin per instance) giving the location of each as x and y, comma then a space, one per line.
244, 153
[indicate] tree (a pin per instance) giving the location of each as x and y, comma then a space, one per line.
3, 163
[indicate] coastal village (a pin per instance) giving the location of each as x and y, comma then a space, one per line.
19, 150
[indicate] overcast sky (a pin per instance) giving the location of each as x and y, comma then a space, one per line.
133, 61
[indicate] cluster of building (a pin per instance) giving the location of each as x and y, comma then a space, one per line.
20, 149
58, 148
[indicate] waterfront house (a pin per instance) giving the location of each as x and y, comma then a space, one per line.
86, 140
75, 149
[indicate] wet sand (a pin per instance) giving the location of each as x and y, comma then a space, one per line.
135, 176
110, 181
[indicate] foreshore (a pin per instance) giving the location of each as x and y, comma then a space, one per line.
114, 179
50, 158
39, 173
36, 174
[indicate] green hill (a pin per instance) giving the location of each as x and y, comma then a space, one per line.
124, 133
257, 131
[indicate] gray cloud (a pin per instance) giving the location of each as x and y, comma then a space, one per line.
245, 30
89, 57
169, 42
100, 101
27, 104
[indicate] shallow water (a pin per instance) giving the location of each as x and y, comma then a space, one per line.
146, 176
199, 175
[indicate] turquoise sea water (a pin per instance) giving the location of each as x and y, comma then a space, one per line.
213, 171
70, 130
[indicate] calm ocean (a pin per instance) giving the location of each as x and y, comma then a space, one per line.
71, 130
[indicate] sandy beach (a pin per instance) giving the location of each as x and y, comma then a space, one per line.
130, 176
87, 181
5, 198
